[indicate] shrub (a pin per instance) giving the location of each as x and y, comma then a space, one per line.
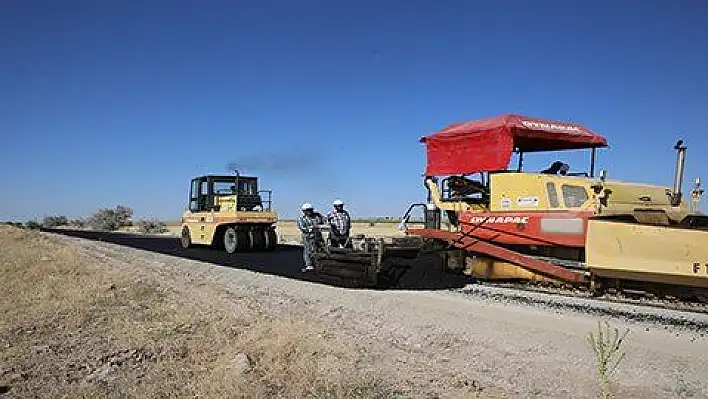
80, 223
55, 221
33, 224
152, 226
111, 219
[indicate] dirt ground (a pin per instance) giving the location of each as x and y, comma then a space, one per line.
86, 318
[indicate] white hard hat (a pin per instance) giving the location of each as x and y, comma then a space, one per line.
306, 205
338, 202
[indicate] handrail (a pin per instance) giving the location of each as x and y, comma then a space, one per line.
268, 201
406, 216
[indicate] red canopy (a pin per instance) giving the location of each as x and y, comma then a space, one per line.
487, 144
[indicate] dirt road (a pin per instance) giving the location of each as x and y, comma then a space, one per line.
425, 341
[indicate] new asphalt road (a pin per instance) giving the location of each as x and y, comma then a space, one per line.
286, 261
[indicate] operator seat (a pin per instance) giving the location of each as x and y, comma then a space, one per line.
247, 201
461, 188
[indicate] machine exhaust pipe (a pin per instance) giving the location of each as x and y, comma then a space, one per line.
678, 178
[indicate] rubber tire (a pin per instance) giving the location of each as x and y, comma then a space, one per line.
256, 239
231, 240
270, 239
244, 239
185, 239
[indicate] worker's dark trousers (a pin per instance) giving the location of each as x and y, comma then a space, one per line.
339, 241
309, 247
308, 252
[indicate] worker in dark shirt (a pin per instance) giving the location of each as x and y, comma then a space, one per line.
340, 224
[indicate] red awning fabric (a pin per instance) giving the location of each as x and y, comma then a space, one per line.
487, 144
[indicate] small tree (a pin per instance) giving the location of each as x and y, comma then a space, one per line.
55, 221
111, 219
33, 224
124, 215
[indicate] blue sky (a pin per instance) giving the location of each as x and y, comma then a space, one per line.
122, 102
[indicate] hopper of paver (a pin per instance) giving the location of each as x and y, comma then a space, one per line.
369, 262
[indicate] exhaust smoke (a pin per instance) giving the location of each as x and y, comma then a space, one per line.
277, 163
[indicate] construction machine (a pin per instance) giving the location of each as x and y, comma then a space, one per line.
555, 226
229, 212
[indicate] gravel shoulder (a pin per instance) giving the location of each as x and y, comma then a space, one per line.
440, 343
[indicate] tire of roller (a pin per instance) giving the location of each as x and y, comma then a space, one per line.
256, 239
244, 239
270, 239
231, 240
185, 239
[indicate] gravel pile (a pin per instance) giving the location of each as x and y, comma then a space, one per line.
652, 317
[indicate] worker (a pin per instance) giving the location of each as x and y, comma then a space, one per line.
340, 224
557, 167
309, 223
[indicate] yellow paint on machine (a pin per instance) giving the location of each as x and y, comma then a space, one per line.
202, 225
491, 269
522, 191
660, 254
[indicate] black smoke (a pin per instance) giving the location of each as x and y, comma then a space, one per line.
283, 164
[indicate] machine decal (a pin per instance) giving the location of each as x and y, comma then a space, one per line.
562, 225
499, 219
697, 267
527, 201
550, 126
251, 220
506, 203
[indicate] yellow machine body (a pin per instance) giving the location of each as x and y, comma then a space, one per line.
640, 252
615, 230
203, 225
492, 269
535, 192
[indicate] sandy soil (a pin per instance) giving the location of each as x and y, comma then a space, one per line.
210, 320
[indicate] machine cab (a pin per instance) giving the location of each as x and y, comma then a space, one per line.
223, 193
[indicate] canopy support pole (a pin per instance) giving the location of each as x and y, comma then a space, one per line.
521, 161
592, 162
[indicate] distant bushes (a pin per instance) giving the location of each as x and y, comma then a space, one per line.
105, 219
14, 224
55, 221
151, 226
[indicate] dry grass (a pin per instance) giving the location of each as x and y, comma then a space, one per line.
608, 355
73, 327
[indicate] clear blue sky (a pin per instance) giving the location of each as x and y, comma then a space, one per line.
122, 102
